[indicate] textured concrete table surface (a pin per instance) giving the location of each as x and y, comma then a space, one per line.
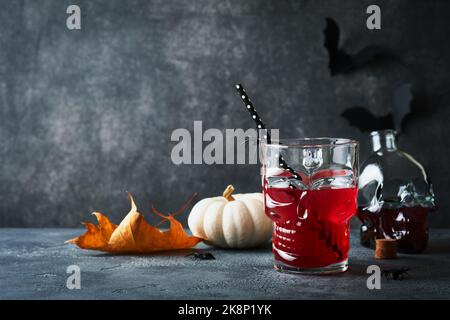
33, 265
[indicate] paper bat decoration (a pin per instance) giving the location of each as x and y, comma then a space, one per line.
365, 120
340, 61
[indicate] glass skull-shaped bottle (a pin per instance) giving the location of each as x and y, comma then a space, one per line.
394, 197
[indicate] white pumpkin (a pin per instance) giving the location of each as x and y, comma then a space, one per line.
231, 221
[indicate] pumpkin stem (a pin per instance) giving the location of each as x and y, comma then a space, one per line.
227, 193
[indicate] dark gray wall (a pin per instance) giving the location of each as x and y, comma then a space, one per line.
86, 115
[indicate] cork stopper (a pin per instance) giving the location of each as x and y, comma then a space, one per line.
385, 249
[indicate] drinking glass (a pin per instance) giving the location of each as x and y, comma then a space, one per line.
310, 193
395, 196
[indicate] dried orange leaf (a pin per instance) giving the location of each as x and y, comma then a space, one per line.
134, 235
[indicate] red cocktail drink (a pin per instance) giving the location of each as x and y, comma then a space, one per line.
311, 229
311, 214
408, 225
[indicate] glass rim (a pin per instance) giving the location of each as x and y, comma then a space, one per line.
319, 142
377, 132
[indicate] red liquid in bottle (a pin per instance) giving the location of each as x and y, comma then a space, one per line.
311, 226
409, 225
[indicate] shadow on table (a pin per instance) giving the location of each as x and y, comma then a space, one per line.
180, 253
189, 252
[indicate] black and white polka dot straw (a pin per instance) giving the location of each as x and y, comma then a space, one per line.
260, 125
